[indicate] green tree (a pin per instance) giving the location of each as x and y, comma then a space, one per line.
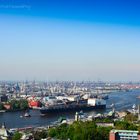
38, 135
131, 117
15, 104
1, 106
89, 130
62, 131
138, 128
19, 104
80, 131
125, 125
52, 132
103, 133
17, 136
70, 132
23, 104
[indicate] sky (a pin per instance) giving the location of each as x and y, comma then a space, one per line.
70, 40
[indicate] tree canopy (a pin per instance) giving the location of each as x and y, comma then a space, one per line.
80, 131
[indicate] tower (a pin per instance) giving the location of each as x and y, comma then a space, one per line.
76, 116
138, 112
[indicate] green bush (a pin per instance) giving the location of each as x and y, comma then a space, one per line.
40, 134
17, 136
1, 106
125, 125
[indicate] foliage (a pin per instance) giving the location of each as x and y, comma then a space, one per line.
105, 120
53, 132
38, 135
1, 106
125, 125
138, 128
88, 130
80, 131
23, 104
103, 132
15, 104
131, 117
17, 136
59, 131
19, 104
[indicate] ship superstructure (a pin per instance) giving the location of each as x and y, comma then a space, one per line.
52, 104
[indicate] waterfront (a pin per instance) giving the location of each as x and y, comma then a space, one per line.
122, 101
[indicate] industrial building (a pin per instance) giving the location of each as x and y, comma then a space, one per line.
124, 135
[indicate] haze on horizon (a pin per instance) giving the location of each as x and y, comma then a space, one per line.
70, 40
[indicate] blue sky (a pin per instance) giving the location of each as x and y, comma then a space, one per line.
70, 40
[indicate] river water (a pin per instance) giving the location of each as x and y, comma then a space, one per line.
122, 101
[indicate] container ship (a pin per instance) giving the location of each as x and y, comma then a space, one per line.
53, 105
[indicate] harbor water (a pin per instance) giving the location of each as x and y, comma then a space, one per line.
122, 101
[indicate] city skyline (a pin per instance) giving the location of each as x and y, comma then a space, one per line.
70, 40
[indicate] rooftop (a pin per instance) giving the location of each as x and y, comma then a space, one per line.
124, 131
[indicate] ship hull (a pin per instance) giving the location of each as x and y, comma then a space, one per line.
44, 111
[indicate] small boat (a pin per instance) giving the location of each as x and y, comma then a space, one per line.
25, 115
